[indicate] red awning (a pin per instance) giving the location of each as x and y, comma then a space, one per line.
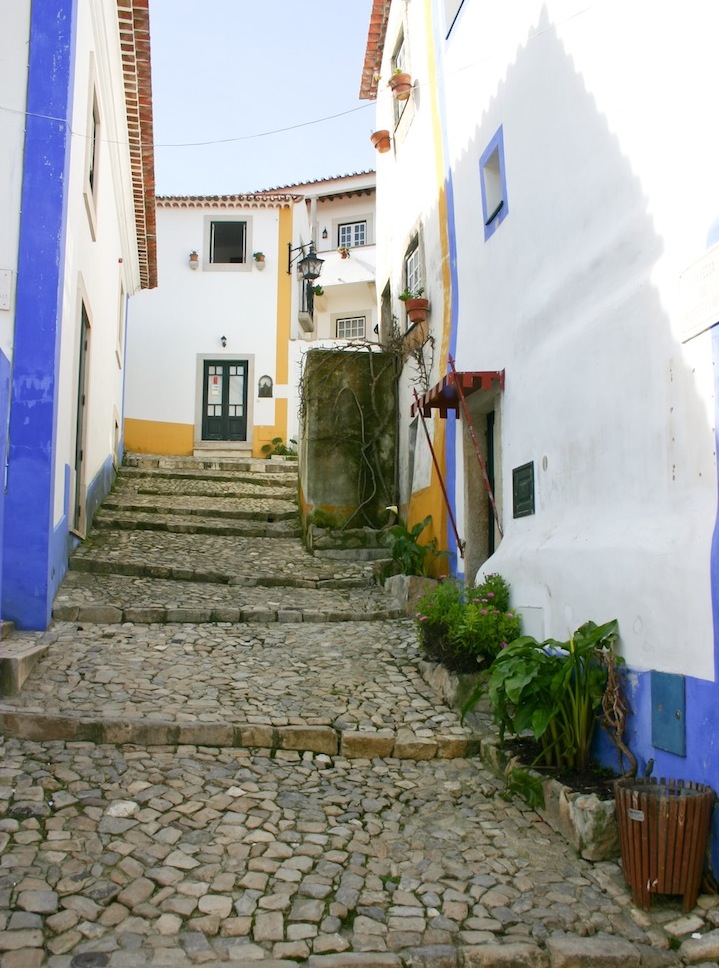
444, 396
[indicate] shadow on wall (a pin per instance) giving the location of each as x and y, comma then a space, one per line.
599, 394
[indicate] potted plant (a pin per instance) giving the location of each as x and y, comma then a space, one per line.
194, 259
259, 258
416, 304
318, 290
381, 140
344, 252
400, 84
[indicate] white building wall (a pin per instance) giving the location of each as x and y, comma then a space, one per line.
191, 310
611, 183
14, 40
101, 266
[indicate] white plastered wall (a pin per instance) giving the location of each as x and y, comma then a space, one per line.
610, 151
191, 310
14, 40
99, 270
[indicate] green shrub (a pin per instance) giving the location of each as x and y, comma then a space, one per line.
464, 627
554, 689
409, 557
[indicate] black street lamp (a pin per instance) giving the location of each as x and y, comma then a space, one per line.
310, 265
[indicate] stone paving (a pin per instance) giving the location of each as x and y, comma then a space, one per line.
276, 791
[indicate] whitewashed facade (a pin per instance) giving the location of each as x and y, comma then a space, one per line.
215, 353
76, 167
561, 174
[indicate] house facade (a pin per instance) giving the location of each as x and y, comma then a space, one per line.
558, 203
77, 198
215, 353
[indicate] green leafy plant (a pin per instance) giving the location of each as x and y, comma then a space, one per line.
464, 627
318, 290
409, 557
277, 446
258, 256
554, 689
408, 293
522, 784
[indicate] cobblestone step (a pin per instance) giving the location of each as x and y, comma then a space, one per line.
265, 478
87, 597
251, 509
216, 558
356, 693
251, 527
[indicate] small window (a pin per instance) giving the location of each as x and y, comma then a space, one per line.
451, 10
228, 242
413, 270
352, 233
92, 158
523, 490
399, 63
495, 206
94, 141
351, 327
121, 311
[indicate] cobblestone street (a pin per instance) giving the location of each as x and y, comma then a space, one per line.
227, 753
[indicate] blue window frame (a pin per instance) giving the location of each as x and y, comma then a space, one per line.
493, 179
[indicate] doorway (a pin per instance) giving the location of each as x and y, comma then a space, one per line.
78, 513
224, 400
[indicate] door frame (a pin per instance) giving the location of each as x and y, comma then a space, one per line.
249, 359
78, 493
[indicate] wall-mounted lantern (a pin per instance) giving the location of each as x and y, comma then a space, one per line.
310, 265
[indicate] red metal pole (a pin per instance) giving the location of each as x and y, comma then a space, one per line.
482, 465
460, 543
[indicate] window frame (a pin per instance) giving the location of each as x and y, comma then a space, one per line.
493, 184
91, 178
351, 319
208, 243
413, 275
352, 225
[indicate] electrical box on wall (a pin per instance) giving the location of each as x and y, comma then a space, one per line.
5, 288
669, 713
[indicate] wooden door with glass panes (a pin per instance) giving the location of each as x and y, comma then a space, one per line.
224, 405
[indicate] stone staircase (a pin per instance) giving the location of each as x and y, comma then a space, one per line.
192, 613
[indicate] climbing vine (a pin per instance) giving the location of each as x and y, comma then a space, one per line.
353, 407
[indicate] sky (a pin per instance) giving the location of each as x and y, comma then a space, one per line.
226, 73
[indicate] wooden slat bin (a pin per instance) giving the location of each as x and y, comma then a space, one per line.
663, 833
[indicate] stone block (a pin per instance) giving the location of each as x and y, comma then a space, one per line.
100, 614
356, 744
706, 948
316, 739
142, 732
205, 734
409, 746
451, 747
225, 614
193, 615
511, 955
262, 737
604, 952
145, 615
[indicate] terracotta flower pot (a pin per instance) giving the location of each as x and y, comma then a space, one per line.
401, 86
417, 309
381, 141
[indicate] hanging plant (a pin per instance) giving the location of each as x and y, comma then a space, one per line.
381, 140
401, 85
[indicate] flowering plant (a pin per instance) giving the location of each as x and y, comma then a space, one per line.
465, 626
